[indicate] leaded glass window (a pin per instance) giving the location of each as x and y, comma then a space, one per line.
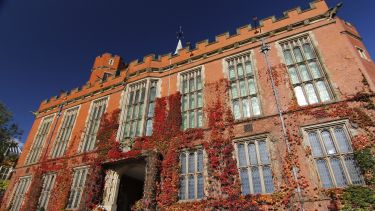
97, 109
306, 74
243, 90
78, 184
192, 99
48, 183
138, 110
39, 140
64, 132
333, 155
19, 193
254, 166
191, 176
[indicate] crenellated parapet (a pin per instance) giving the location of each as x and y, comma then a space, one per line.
119, 73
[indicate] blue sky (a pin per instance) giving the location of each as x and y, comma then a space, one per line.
50, 45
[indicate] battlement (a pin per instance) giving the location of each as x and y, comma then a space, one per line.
107, 63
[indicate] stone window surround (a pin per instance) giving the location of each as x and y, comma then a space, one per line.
344, 123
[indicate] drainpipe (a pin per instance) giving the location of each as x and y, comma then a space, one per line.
264, 49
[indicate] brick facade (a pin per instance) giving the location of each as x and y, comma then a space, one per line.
335, 41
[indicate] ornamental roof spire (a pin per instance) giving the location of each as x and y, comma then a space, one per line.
179, 37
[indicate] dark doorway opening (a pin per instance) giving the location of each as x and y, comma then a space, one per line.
130, 191
131, 184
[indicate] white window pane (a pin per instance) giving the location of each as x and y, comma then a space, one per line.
200, 118
192, 101
246, 107
288, 57
252, 154
323, 92
268, 181
199, 82
316, 148
245, 181
184, 86
342, 140
241, 155
263, 152
182, 188
293, 75
252, 88
191, 162
233, 88
298, 54
314, 70
183, 162
240, 70
149, 127
304, 72
200, 101
151, 109
338, 172
242, 88
232, 74
257, 187
184, 121
200, 161
191, 120
248, 68
200, 186
300, 96
310, 92
191, 187
152, 93
354, 171
185, 103
308, 51
236, 110
255, 105
191, 85
328, 142
324, 173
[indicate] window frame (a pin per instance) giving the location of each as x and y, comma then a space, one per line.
254, 76
330, 127
47, 193
196, 71
187, 151
307, 38
260, 165
85, 170
361, 52
81, 148
124, 106
36, 157
57, 138
20, 200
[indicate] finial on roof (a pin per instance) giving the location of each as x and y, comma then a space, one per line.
180, 34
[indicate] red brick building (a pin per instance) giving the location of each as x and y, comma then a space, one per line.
221, 128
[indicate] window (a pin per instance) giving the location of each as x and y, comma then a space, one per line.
333, 155
97, 109
254, 166
191, 177
192, 99
48, 183
305, 72
138, 110
111, 61
361, 52
243, 90
64, 132
40, 138
79, 179
5, 172
19, 193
